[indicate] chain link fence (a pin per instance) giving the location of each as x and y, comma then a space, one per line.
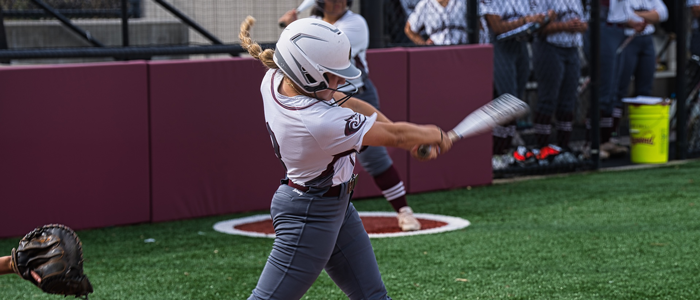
541, 55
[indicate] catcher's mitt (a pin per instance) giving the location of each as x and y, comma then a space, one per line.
54, 252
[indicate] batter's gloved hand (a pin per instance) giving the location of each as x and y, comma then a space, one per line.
51, 257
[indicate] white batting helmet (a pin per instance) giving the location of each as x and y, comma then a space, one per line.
308, 48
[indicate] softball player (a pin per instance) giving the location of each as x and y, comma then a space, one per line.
615, 16
316, 137
557, 68
443, 20
375, 160
639, 56
695, 37
511, 58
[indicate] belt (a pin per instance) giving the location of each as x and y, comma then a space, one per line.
619, 25
333, 191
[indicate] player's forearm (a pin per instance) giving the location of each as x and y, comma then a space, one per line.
500, 26
555, 27
5, 265
402, 135
360, 106
695, 10
650, 16
413, 36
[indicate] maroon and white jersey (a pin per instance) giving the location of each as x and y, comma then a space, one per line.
315, 141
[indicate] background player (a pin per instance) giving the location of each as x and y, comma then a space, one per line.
639, 57
615, 16
511, 59
557, 68
443, 20
375, 160
316, 226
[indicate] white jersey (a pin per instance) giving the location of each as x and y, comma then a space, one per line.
566, 10
646, 5
445, 25
315, 141
355, 28
620, 11
508, 10
691, 3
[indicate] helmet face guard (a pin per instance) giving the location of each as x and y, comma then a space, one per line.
309, 48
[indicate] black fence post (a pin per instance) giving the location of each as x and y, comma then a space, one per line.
594, 31
125, 23
3, 37
681, 93
373, 12
473, 21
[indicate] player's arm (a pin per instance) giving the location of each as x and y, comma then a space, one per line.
658, 14
414, 36
498, 25
408, 136
362, 107
5, 267
695, 10
291, 15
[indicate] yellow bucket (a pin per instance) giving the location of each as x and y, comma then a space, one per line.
649, 133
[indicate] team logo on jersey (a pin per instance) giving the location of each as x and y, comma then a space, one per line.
354, 123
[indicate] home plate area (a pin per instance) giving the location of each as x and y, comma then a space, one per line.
377, 224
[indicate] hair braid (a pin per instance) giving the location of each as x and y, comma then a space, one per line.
253, 48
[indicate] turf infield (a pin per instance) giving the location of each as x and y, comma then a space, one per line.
602, 235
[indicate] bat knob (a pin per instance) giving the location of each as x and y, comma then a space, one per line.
282, 25
424, 150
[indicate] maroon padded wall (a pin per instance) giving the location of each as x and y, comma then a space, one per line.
211, 153
74, 146
388, 71
446, 84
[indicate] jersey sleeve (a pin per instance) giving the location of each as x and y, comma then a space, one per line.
487, 7
340, 129
358, 33
693, 3
661, 9
417, 17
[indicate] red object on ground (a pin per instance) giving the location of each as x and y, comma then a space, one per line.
372, 225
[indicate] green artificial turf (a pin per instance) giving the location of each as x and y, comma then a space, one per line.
602, 235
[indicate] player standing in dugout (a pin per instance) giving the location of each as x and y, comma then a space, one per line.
639, 56
317, 227
615, 17
557, 68
375, 160
511, 65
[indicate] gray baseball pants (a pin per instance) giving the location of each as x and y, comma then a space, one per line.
315, 233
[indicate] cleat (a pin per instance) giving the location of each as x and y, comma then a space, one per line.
407, 222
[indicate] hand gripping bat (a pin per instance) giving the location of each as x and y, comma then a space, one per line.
500, 111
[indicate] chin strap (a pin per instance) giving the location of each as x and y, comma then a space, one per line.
340, 102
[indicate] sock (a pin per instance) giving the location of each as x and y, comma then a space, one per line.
392, 187
543, 128
564, 128
616, 116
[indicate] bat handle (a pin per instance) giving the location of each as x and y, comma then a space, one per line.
424, 150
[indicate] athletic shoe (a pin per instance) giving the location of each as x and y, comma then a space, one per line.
548, 152
523, 156
500, 162
613, 148
407, 222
